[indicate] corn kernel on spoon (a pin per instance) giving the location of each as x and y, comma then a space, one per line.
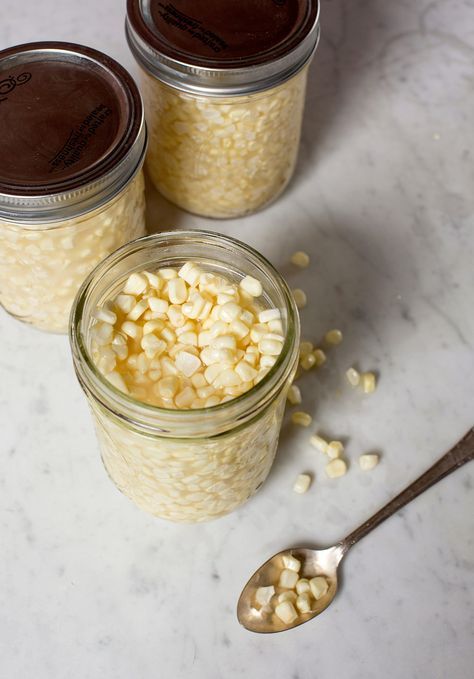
324, 562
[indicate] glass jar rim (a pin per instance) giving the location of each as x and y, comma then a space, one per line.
39, 201
216, 80
174, 422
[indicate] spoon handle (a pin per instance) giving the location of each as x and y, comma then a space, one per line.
459, 454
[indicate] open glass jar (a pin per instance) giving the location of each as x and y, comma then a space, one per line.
186, 465
224, 89
71, 180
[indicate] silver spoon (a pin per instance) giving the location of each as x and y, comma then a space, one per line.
326, 561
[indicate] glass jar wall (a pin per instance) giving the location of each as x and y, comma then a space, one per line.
186, 465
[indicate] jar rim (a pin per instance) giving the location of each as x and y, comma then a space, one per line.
214, 77
173, 422
98, 158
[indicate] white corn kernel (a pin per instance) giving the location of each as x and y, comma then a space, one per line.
308, 361
320, 357
335, 449
300, 259
187, 363
301, 418
153, 280
185, 397
302, 483
306, 348
319, 443
190, 273
353, 377
294, 395
333, 337
158, 305
289, 595
212, 401
252, 286
303, 603
303, 586
300, 298
288, 579
136, 284
368, 461
152, 345
319, 586
117, 381
131, 329
198, 380
336, 468
138, 310
291, 562
125, 303
167, 274
105, 315
269, 315
245, 371
167, 386
368, 382
263, 595
286, 612
230, 312
153, 326
270, 347
177, 291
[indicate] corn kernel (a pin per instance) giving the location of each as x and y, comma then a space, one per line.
302, 483
368, 461
300, 259
333, 337
319, 586
301, 418
294, 395
368, 382
300, 298
353, 377
336, 468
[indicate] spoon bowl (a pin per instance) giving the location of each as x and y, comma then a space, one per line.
313, 562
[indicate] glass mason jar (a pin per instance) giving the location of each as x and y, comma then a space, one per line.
224, 89
71, 180
186, 465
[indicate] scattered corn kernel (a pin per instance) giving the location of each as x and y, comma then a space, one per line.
319, 586
335, 468
319, 443
319, 357
263, 595
286, 612
333, 337
368, 461
353, 377
335, 449
294, 395
308, 361
302, 483
368, 382
306, 348
301, 418
300, 259
300, 298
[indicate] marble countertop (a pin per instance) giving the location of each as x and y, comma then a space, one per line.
92, 588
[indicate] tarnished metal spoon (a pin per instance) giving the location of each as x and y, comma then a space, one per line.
326, 561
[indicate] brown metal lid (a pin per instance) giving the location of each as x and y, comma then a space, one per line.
70, 117
205, 40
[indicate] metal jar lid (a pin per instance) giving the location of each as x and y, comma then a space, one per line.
222, 47
73, 131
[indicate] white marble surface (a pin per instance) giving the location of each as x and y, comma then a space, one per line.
92, 588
